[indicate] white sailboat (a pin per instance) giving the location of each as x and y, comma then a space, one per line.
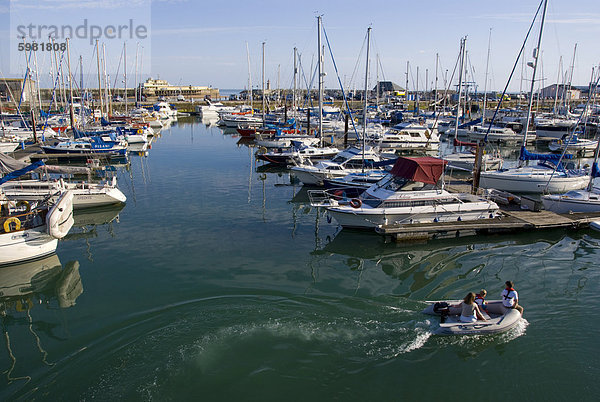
549, 175
587, 200
28, 232
85, 194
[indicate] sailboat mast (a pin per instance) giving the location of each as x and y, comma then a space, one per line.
99, 80
377, 82
557, 83
364, 136
249, 78
486, 78
320, 72
568, 100
136, 74
71, 113
294, 106
406, 89
107, 99
435, 92
417, 94
264, 98
37, 81
460, 73
536, 52
125, 74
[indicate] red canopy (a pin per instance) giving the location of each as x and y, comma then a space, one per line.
426, 169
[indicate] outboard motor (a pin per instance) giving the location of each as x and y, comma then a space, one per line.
443, 309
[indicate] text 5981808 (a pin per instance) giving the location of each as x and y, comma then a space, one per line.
42, 46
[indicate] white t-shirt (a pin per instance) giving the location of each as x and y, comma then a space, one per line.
509, 298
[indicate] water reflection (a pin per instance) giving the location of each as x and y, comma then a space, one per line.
86, 223
210, 120
45, 283
436, 265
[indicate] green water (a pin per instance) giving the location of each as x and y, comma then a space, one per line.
218, 282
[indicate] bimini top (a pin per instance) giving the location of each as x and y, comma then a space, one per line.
426, 169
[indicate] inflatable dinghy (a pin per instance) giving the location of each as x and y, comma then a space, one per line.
498, 318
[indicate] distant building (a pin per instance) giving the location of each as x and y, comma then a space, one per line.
11, 89
155, 88
561, 91
388, 88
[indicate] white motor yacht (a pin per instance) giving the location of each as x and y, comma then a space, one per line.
406, 196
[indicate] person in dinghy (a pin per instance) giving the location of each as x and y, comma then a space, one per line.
470, 310
510, 297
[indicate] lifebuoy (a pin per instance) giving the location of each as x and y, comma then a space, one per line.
140, 131
24, 203
355, 203
14, 220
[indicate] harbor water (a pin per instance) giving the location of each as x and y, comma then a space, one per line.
218, 281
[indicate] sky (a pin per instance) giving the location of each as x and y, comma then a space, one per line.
205, 42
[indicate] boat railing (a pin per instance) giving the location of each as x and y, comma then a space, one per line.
327, 198
22, 221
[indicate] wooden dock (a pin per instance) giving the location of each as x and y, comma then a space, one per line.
510, 221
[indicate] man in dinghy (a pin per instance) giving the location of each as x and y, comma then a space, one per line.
510, 298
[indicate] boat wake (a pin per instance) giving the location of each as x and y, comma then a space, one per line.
284, 338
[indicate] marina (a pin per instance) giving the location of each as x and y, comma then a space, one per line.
315, 294
309, 235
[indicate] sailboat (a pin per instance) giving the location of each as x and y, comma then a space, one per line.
465, 160
32, 231
550, 175
587, 200
351, 160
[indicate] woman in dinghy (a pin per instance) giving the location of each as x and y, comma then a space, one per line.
470, 310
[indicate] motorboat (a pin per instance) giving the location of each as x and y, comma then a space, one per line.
164, 110
573, 144
351, 160
29, 231
554, 127
407, 195
240, 120
85, 194
465, 159
214, 109
499, 319
354, 184
407, 136
573, 201
493, 133
286, 156
88, 145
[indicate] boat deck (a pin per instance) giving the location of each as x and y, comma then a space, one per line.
510, 221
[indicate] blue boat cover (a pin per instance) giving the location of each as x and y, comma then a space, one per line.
18, 173
529, 156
